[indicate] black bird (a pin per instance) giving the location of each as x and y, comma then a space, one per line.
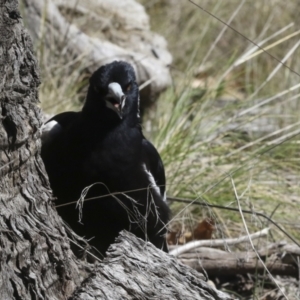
103, 148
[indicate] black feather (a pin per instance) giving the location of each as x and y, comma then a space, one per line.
97, 146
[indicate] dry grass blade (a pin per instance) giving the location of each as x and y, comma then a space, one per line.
222, 32
281, 63
248, 57
251, 243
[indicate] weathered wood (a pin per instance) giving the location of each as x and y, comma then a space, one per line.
35, 256
178, 250
215, 262
134, 269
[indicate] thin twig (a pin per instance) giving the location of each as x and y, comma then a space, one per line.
250, 239
86, 251
218, 242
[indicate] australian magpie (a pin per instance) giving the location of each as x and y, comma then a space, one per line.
102, 154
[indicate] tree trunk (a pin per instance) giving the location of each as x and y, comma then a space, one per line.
35, 256
36, 261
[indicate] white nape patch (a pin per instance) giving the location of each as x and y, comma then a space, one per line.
50, 131
123, 101
152, 180
165, 196
138, 111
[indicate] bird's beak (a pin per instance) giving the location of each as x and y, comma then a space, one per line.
115, 98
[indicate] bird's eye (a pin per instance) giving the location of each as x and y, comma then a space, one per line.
128, 87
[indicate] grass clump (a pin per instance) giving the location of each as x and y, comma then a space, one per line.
232, 113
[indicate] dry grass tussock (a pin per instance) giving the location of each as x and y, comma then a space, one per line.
228, 129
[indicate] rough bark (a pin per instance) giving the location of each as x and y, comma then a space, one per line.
136, 270
35, 256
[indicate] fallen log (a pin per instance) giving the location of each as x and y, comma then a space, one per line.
220, 263
279, 258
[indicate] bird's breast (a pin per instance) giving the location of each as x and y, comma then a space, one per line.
116, 155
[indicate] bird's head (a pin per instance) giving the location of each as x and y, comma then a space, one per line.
114, 86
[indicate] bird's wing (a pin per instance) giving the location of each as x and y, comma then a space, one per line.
154, 167
54, 126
